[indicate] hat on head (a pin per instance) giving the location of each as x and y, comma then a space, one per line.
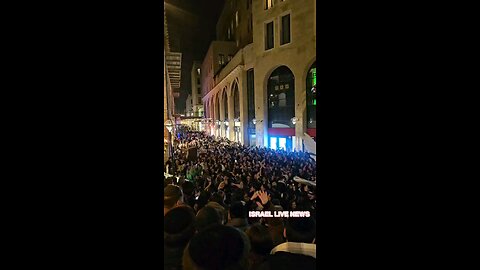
219, 247
172, 191
179, 226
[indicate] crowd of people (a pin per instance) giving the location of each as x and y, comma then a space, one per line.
210, 186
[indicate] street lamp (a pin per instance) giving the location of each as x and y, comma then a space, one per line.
255, 121
294, 120
169, 125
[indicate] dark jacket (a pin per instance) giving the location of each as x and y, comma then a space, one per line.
288, 261
172, 258
276, 232
239, 223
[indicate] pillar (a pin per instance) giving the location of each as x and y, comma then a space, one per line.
222, 113
300, 110
242, 87
231, 115
261, 109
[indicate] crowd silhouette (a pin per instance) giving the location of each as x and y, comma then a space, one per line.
210, 186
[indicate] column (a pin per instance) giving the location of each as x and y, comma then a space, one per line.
242, 87
261, 109
231, 116
300, 111
222, 114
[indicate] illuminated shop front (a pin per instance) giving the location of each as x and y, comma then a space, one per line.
312, 102
281, 109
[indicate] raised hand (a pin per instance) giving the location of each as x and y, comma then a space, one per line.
264, 197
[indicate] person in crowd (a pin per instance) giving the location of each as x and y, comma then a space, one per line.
226, 173
237, 216
217, 247
208, 216
261, 244
179, 228
172, 196
275, 227
220, 209
299, 252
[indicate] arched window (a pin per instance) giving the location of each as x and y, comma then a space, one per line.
236, 101
217, 108
281, 98
225, 105
312, 97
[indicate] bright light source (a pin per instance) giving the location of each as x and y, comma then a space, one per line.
294, 120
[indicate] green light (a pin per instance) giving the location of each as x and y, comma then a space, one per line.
315, 102
314, 76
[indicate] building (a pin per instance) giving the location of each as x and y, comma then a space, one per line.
197, 105
188, 106
171, 81
235, 23
267, 90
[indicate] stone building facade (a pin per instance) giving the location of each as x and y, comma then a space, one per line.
197, 105
265, 95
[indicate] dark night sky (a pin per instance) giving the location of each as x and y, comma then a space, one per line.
191, 28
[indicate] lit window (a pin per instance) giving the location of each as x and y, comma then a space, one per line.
198, 71
268, 4
221, 59
273, 143
282, 143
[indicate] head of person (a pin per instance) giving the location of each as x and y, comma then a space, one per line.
217, 247
218, 197
179, 226
237, 210
300, 230
293, 205
276, 201
275, 221
260, 239
188, 187
206, 217
172, 196
220, 209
